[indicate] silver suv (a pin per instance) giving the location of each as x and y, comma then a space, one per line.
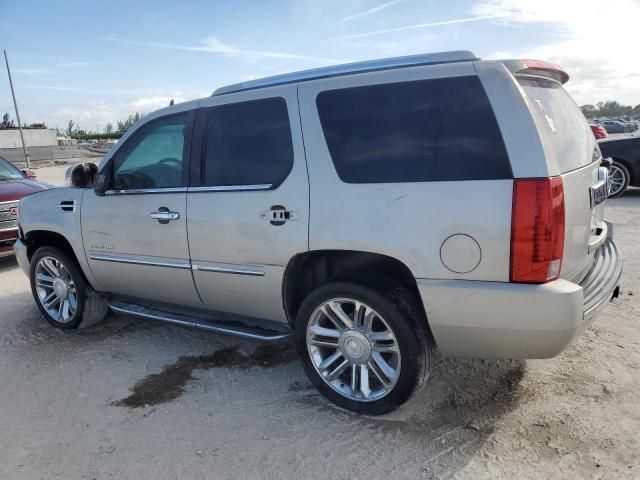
374, 211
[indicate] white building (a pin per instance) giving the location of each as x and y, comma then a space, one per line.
33, 137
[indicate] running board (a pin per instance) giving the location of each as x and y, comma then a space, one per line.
234, 328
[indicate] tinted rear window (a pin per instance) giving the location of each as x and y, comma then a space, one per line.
421, 131
571, 137
248, 144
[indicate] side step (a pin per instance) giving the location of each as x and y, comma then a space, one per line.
234, 328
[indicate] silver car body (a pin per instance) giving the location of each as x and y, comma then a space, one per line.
222, 254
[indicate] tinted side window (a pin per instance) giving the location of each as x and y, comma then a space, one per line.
248, 144
420, 131
153, 157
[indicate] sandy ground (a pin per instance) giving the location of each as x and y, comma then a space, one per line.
134, 399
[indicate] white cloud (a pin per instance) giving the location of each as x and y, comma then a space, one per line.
370, 11
74, 64
417, 26
92, 113
214, 45
150, 104
29, 71
599, 49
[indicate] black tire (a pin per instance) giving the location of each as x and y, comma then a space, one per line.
624, 171
404, 317
81, 287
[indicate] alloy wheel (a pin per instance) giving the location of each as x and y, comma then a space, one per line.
617, 180
55, 289
353, 349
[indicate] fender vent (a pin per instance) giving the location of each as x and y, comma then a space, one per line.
67, 206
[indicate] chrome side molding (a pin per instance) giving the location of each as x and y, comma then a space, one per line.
230, 188
217, 188
236, 269
136, 260
251, 270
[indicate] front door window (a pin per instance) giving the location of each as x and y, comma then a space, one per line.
153, 158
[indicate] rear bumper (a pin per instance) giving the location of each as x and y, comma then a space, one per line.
510, 320
603, 280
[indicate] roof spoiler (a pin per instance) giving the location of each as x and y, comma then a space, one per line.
537, 67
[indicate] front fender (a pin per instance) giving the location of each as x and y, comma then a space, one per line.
57, 211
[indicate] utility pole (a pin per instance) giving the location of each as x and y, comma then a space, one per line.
15, 104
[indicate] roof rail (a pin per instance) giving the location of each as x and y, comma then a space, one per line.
347, 68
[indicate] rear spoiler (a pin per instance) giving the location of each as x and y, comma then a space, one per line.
537, 67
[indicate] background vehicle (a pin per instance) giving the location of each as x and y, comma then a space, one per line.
632, 126
14, 184
625, 171
598, 131
374, 238
613, 126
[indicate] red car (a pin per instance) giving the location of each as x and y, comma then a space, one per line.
14, 184
598, 130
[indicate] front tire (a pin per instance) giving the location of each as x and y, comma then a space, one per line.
619, 179
365, 350
58, 287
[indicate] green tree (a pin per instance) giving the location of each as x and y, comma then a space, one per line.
610, 108
588, 110
108, 128
7, 122
69, 130
124, 125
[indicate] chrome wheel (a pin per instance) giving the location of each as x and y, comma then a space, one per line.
617, 180
353, 349
55, 289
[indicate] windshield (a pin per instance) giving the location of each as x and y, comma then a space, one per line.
8, 171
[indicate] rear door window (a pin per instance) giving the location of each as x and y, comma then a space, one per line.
248, 143
419, 131
571, 137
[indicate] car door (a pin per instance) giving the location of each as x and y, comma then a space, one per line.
134, 231
249, 200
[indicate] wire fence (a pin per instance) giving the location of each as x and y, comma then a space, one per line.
52, 152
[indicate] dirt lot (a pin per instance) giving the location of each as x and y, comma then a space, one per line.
136, 399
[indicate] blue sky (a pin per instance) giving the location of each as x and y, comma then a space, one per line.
96, 62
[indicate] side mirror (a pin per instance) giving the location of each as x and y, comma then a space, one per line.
29, 173
82, 175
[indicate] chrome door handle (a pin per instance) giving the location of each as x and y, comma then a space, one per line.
164, 215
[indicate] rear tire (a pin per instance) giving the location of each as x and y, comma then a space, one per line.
386, 346
58, 287
619, 178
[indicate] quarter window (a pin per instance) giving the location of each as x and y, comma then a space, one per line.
248, 144
154, 158
419, 131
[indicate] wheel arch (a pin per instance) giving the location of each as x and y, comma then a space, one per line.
35, 239
630, 168
309, 270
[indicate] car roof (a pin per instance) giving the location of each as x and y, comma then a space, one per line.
348, 68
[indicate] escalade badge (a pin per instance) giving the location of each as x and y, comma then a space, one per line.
101, 245
13, 211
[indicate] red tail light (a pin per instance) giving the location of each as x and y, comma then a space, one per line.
537, 230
